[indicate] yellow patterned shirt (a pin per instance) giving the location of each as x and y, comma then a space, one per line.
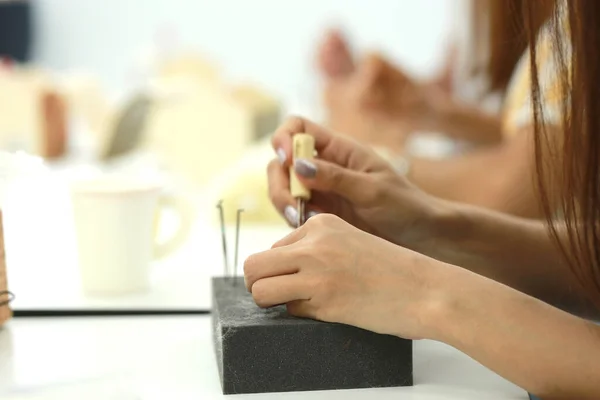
517, 109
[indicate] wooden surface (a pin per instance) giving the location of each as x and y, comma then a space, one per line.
5, 312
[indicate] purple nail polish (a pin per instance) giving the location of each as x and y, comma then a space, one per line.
305, 168
291, 215
281, 155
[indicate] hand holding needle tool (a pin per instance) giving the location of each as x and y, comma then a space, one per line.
303, 148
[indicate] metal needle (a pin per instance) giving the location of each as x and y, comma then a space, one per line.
224, 238
237, 240
301, 212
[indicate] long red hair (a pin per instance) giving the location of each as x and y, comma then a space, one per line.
568, 165
499, 30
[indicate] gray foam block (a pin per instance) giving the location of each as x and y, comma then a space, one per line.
268, 350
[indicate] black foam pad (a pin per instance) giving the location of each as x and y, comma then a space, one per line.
268, 350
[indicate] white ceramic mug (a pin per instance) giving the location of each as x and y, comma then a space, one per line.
116, 224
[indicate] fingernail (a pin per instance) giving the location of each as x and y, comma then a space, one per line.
291, 215
281, 155
305, 168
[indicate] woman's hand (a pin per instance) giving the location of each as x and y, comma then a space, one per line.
380, 104
381, 87
328, 270
351, 181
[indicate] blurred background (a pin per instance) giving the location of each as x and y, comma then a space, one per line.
95, 80
184, 91
268, 41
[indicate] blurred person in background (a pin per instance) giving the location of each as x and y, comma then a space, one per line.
518, 295
378, 103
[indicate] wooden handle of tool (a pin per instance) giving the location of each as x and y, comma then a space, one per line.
303, 147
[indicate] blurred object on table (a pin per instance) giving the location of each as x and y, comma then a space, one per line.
127, 129
88, 103
118, 231
244, 185
264, 110
14, 168
189, 65
200, 125
33, 112
54, 124
15, 30
5, 297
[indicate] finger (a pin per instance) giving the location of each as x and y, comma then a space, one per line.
324, 176
446, 78
369, 85
291, 238
302, 308
329, 145
334, 56
279, 191
274, 262
282, 139
278, 290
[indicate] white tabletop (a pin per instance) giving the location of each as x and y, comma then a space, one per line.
172, 358
42, 257
155, 357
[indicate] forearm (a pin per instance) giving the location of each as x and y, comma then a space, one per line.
514, 251
546, 351
493, 177
461, 121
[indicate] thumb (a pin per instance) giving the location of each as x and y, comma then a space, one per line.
446, 78
325, 177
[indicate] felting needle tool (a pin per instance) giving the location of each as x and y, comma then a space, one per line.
303, 148
223, 237
237, 243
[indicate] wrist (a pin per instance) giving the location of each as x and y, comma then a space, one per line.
435, 228
448, 306
442, 303
463, 121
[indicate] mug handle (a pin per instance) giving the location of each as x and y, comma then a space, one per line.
183, 208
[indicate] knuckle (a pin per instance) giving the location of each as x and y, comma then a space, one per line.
323, 220
374, 191
336, 177
277, 198
250, 266
322, 230
259, 294
312, 222
303, 251
295, 123
273, 166
313, 246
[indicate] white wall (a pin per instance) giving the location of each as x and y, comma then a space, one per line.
271, 41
